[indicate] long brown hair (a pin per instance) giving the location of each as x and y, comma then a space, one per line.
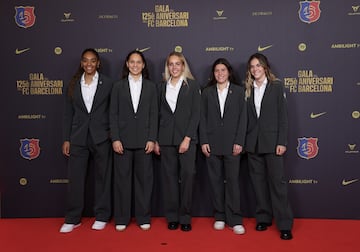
249, 82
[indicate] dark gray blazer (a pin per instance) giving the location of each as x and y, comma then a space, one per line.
133, 129
77, 122
173, 127
222, 133
271, 128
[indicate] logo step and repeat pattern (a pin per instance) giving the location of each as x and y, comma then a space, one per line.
313, 47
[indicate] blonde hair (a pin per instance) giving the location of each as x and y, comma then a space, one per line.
249, 81
186, 74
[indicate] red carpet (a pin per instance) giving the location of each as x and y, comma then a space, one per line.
309, 235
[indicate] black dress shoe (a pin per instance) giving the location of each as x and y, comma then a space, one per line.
262, 226
286, 235
186, 227
173, 225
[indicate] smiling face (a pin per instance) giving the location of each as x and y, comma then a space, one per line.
135, 65
90, 62
257, 71
176, 67
221, 74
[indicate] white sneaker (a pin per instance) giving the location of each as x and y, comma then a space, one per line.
145, 226
99, 225
120, 227
219, 225
67, 228
238, 229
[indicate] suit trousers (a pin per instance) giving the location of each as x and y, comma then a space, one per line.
101, 155
267, 175
178, 172
223, 173
133, 176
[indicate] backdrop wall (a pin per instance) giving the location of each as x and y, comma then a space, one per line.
313, 47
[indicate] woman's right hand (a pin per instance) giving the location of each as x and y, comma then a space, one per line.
205, 148
66, 148
157, 148
118, 147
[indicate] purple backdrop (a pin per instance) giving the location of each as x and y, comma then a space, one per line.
313, 47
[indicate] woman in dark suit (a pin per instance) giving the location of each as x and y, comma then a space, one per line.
86, 136
179, 99
133, 124
222, 137
266, 142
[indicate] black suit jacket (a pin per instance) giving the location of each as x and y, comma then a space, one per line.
222, 133
173, 127
271, 128
133, 129
77, 122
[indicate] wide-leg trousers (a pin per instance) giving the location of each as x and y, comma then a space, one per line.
133, 177
223, 173
78, 165
267, 175
178, 172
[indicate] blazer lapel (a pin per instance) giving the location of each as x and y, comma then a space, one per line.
215, 98
163, 97
266, 93
128, 94
252, 102
181, 94
180, 97
98, 93
228, 99
79, 97
143, 91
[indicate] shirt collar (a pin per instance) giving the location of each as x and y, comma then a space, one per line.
131, 78
263, 84
95, 78
178, 84
226, 86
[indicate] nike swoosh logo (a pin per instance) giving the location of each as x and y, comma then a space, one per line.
143, 50
345, 183
313, 116
260, 49
18, 51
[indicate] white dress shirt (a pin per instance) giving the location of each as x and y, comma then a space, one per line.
222, 94
88, 90
135, 91
258, 95
172, 93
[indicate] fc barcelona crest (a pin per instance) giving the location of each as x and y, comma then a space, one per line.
30, 148
307, 147
25, 16
309, 11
